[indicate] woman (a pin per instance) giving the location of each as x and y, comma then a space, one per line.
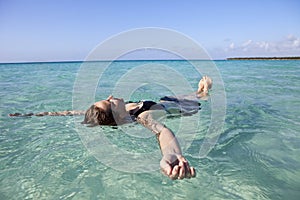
114, 111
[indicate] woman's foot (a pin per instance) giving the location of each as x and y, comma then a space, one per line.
204, 85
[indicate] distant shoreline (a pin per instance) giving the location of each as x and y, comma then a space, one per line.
266, 58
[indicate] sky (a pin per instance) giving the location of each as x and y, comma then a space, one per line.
63, 30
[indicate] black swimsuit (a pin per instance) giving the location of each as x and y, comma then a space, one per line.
146, 106
171, 105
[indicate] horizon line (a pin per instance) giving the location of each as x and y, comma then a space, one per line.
122, 60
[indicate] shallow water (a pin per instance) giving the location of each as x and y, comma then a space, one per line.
257, 156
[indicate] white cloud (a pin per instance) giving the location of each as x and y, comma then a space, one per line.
291, 37
287, 46
296, 43
247, 43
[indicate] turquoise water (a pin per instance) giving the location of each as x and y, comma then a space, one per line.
257, 156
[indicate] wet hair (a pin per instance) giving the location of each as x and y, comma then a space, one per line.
95, 116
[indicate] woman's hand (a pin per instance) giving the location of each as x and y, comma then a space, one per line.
175, 166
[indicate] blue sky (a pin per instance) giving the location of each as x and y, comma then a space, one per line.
54, 30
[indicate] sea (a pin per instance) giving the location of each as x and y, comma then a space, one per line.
244, 142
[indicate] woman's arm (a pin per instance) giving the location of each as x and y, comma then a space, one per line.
59, 113
173, 164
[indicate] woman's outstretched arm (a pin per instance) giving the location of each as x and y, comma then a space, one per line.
59, 113
173, 164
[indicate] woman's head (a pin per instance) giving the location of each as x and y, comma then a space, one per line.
105, 112
97, 116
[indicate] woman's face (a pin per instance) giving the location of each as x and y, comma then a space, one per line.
103, 104
116, 105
